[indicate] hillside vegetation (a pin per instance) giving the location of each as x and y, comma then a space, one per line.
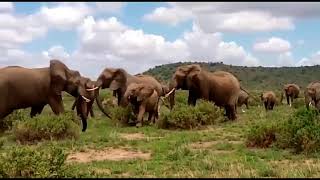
257, 78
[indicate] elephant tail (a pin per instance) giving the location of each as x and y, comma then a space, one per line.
98, 100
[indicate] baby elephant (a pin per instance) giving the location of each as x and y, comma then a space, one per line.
269, 99
243, 99
144, 98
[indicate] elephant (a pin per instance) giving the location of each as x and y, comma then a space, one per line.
312, 95
36, 87
83, 105
243, 99
220, 87
269, 99
117, 79
144, 98
291, 92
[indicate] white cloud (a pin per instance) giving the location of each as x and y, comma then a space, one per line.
6, 6
314, 59
171, 16
246, 22
286, 59
273, 45
109, 43
235, 16
64, 16
110, 7
16, 30
56, 52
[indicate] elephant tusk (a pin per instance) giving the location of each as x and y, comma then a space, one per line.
169, 92
310, 103
86, 99
92, 89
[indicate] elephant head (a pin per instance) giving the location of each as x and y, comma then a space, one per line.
112, 78
65, 79
88, 91
138, 92
312, 95
185, 78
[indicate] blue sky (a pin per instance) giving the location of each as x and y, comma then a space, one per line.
139, 35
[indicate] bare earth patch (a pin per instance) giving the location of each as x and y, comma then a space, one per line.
135, 136
204, 145
106, 154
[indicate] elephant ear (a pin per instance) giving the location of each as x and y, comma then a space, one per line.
317, 92
194, 72
58, 76
119, 79
144, 92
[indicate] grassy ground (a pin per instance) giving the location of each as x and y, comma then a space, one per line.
216, 151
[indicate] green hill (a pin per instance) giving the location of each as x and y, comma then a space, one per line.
258, 78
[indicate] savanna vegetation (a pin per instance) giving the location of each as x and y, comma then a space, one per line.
186, 142
253, 78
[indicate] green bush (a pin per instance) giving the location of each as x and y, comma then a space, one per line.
47, 127
302, 131
262, 134
189, 117
20, 161
7, 122
124, 115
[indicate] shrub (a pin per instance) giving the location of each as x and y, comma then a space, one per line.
7, 122
124, 115
189, 117
28, 162
301, 131
262, 134
47, 127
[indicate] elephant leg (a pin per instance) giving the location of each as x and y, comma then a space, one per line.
150, 117
246, 103
74, 104
271, 105
266, 105
227, 112
192, 98
56, 104
142, 110
233, 112
36, 110
82, 111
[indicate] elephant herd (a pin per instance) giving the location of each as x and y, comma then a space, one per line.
22, 87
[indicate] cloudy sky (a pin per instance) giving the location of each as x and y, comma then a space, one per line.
137, 36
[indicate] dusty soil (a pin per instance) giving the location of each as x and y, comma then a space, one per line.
135, 136
132, 136
106, 154
205, 145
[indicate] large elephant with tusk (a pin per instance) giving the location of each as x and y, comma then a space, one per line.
24, 87
312, 95
83, 104
220, 87
291, 91
118, 80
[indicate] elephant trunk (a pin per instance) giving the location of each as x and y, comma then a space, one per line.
82, 111
101, 107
